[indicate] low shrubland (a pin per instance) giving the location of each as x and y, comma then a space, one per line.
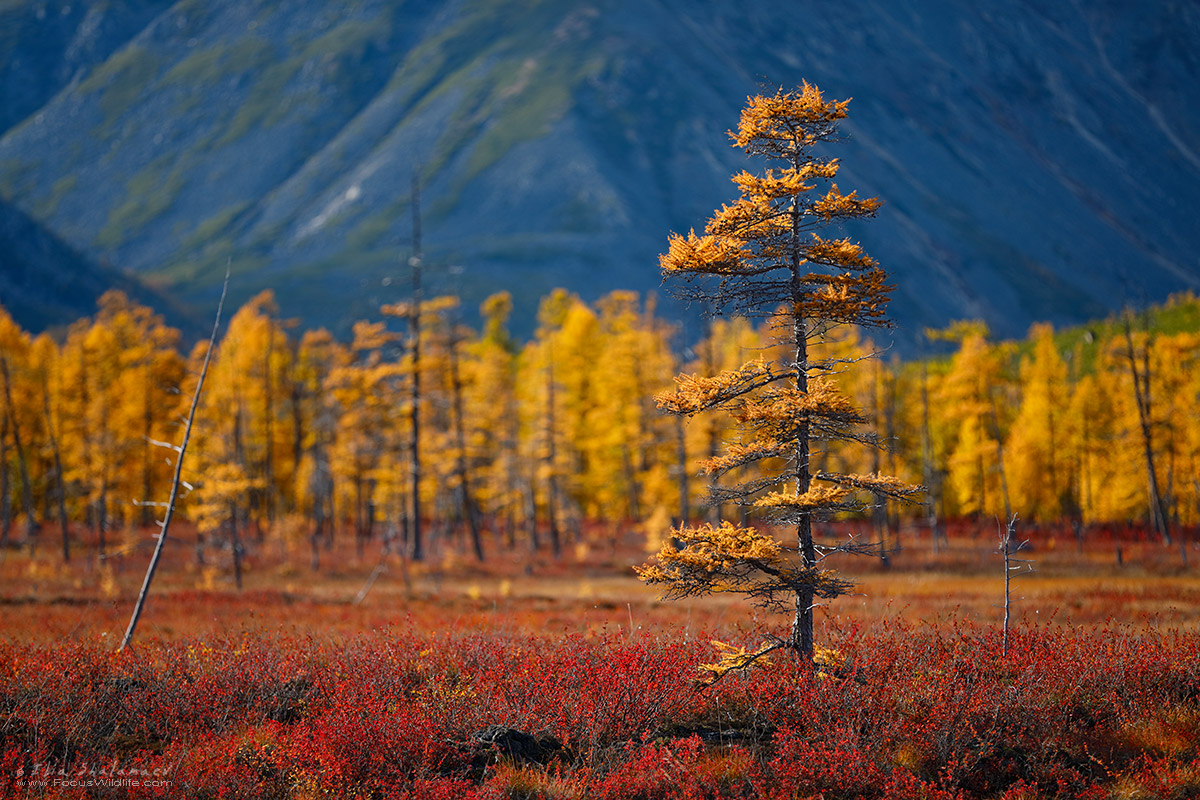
897, 710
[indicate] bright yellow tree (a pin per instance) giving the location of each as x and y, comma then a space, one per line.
972, 396
1175, 365
550, 383
490, 412
726, 346
1041, 471
18, 419
765, 255
367, 395
315, 423
1105, 456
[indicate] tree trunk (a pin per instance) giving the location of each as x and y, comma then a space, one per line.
414, 422
359, 527
235, 543
297, 424
633, 498
685, 500
315, 540
802, 623
5, 489
102, 518
175, 483
59, 482
22, 464
889, 422
551, 459
147, 513
1141, 391
370, 510
713, 512
511, 490
1000, 459
269, 428
531, 520
930, 476
470, 510
879, 509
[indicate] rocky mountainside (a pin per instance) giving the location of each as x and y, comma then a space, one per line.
1037, 160
45, 284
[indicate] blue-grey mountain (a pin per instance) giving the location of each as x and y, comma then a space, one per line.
1037, 160
45, 284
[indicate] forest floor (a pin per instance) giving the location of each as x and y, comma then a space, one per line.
294, 686
590, 586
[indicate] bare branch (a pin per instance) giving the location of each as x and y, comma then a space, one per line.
167, 445
178, 480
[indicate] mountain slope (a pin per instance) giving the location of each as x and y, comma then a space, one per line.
1035, 164
45, 45
45, 284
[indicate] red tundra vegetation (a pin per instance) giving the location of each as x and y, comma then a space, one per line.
573, 682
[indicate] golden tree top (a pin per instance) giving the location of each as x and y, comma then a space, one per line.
787, 120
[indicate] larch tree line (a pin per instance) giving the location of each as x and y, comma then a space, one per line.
304, 437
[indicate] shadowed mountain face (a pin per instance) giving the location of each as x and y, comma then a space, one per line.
45, 284
1038, 161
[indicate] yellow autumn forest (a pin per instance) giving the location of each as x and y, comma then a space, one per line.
305, 436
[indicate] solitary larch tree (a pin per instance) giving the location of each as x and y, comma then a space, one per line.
764, 256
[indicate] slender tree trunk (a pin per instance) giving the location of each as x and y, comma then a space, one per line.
269, 426
102, 517
981, 471
802, 623
297, 425
370, 510
685, 500
633, 497
147, 514
5, 489
889, 422
402, 515
22, 464
713, 512
59, 483
1085, 469
239, 448
1006, 548
178, 480
1052, 471
530, 497
359, 526
929, 475
414, 422
743, 509
552, 460
511, 460
315, 540
879, 509
1141, 391
84, 434
1000, 458
235, 542
631, 473
319, 487
470, 510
